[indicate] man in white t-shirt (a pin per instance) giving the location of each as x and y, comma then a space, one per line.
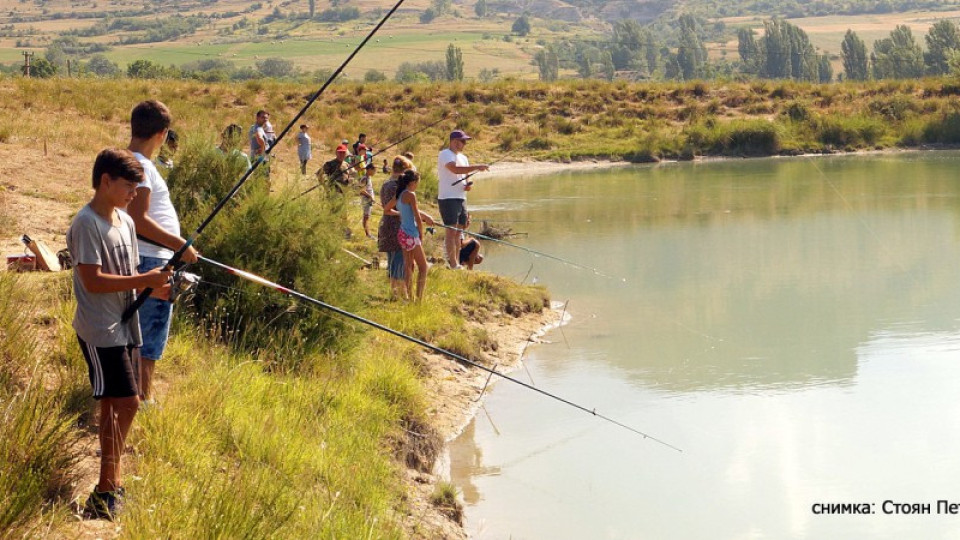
157, 223
452, 168
258, 135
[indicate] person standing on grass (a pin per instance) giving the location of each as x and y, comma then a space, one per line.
361, 140
102, 242
169, 148
411, 233
366, 196
390, 225
157, 223
337, 170
303, 148
258, 135
269, 135
230, 143
452, 168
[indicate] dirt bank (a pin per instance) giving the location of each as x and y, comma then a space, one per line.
454, 390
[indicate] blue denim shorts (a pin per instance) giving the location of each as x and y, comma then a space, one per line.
154, 317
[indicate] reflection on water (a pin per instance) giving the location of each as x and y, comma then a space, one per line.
773, 310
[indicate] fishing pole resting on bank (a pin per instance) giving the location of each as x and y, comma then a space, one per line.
142, 297
456, 357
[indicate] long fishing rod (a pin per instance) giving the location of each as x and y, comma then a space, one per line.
463, 360
414, 134
340, 172
498, 160
533, 251
142, 297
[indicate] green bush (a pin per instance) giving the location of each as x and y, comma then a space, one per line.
895, 108
296, 243
849, 132
737, 138
943, 130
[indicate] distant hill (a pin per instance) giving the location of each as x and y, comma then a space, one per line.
231, 37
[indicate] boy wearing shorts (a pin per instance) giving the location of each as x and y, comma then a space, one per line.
366, 196
159, 226
103, 245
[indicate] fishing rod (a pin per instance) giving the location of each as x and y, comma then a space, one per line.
414, 134
463, 360
340, 172
142, 297
533, 251
467, 177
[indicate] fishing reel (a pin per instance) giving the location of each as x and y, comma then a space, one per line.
182, 283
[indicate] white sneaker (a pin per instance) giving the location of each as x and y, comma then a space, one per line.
457, 267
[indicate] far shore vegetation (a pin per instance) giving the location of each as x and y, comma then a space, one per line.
566, 120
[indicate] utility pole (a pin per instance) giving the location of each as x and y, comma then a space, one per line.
27, 56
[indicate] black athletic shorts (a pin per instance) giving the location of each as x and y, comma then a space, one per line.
113, 370
453, 211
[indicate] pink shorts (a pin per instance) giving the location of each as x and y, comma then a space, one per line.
407, 242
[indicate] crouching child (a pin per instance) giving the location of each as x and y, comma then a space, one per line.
103, 245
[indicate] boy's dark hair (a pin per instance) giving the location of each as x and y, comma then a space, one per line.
371, 166
149, 118
303, 126
362, 135
260, 113
118, 164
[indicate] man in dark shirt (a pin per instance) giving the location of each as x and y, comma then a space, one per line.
337, 170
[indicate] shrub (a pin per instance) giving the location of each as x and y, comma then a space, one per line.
849, 132
896, 108
737, 138
796, 111
943, 130
296, 243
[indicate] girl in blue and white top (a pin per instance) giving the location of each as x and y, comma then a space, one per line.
411, 233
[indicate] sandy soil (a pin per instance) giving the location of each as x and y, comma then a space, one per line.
41, 193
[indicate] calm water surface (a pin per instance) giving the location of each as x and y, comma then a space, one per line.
792, 324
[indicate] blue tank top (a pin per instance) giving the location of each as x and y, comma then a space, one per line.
408, 222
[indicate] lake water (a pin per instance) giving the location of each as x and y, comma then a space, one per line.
793, 325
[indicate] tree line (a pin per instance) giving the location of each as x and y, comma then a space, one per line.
782, 51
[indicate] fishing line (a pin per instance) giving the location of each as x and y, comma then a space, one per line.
533, 251
142, 297
461, 359
863, 221
498, 160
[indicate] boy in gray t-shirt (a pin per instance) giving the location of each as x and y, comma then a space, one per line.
103, 246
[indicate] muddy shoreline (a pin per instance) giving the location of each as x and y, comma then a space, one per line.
453, 391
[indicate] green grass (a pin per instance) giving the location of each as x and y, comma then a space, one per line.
38, 406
